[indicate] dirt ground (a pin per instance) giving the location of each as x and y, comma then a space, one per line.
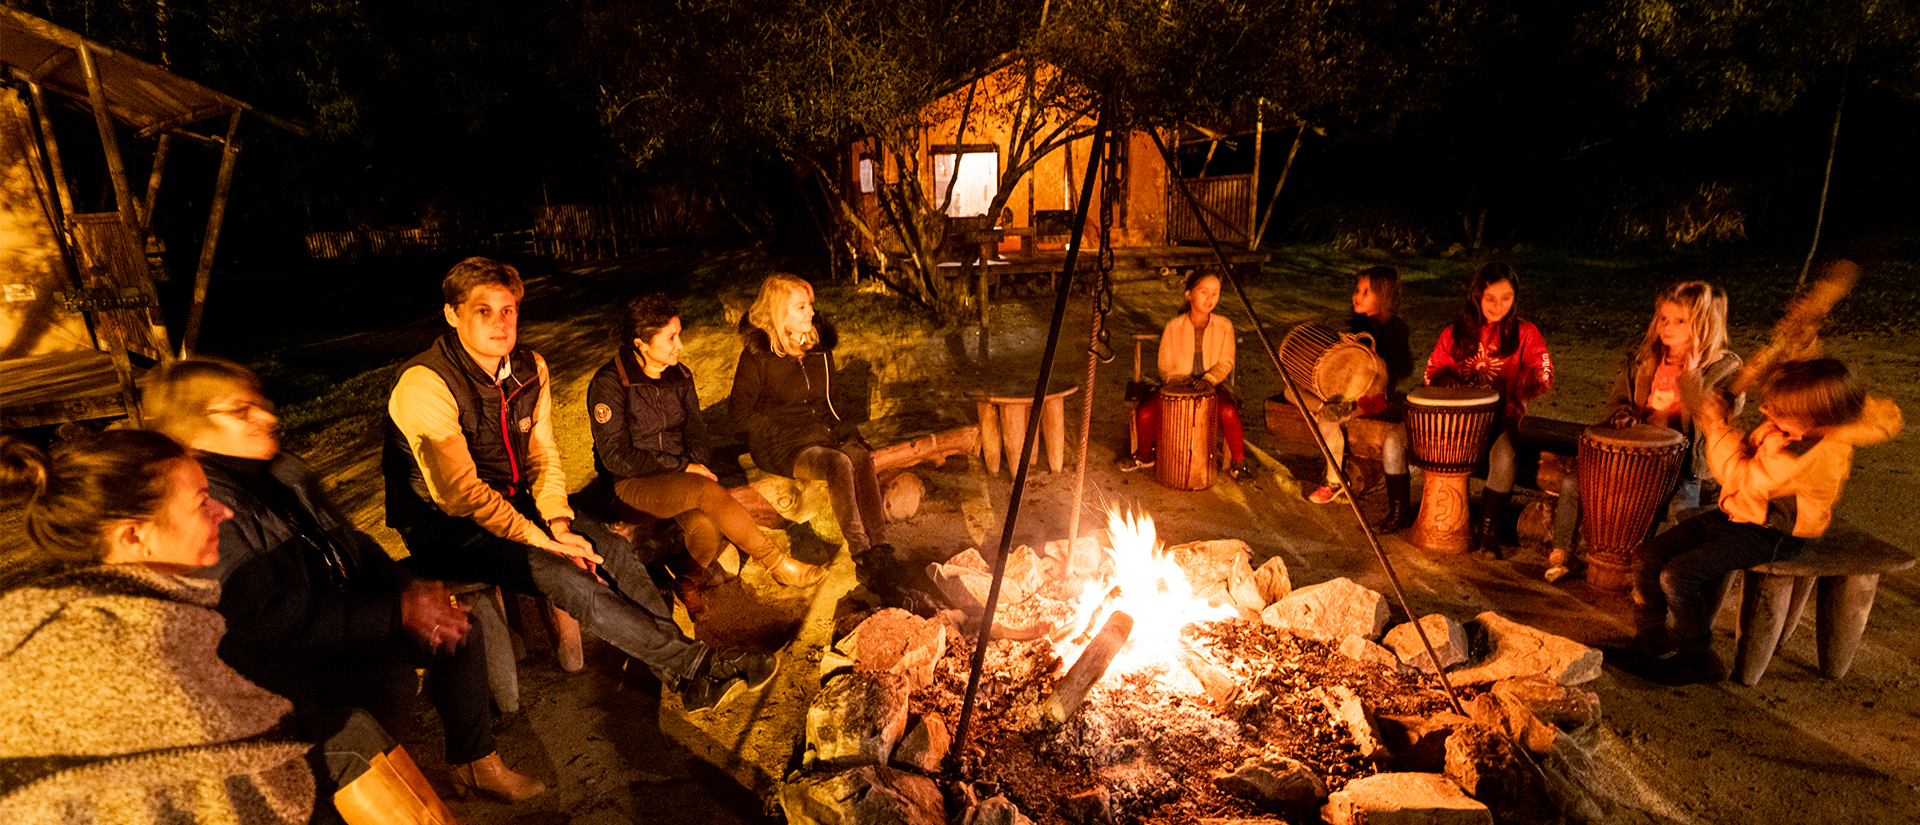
1795, 748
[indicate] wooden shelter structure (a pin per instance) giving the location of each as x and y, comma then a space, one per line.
77, 301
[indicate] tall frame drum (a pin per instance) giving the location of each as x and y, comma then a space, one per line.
1330, 365
1448, 429
1189, 425
1626, 473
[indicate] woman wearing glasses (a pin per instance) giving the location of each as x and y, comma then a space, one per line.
316, 611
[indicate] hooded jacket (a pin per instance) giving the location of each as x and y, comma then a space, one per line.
116, 709
1634, 383
645, 426
781, 402
1791, 486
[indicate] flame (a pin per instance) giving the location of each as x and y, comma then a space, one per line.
1150, 586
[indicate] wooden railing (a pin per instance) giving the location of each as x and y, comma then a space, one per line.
1225, 200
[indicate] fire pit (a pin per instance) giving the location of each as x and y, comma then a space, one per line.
1129, 682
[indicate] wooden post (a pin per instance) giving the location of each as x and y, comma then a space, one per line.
53, 152
222, 184
1253, 188
153, 188
109, 142
1092, 665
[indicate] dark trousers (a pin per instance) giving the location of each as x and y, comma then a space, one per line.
1679, 572
848, 471
619, 605
383, 683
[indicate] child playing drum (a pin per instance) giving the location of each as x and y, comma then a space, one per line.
1376, 311
1196, 345
1489, 346
1778, 486
1687, 340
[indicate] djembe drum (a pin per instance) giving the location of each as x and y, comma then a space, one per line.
1329, 365
1625, 475
1448, 429
1189, 424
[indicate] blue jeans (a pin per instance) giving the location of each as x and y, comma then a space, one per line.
1679, 572
626, 609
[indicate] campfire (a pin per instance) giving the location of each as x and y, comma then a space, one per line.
1127, 681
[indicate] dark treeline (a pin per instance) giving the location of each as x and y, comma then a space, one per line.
1591, 123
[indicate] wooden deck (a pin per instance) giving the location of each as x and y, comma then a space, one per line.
53, 389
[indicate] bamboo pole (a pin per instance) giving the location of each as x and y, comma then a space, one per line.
222, 184
109, 142
53, 151
153, 187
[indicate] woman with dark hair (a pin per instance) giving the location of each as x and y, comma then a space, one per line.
116, 708
1196, 345
648, 436
1489, 345
316, 610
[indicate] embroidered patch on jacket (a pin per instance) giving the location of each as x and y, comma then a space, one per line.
602, 413
526, 424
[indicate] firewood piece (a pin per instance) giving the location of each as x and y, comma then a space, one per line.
1085, 673
934, 447
1220, 685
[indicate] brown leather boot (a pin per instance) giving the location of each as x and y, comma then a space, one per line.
490, 775
792, 572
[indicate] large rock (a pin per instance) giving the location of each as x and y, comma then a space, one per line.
997, 810
1272, 779
1491, 769
867, 795
1568, 708
1419, 743
1345, 705
1329, 611
1403, 799
1512, 719
1273, 580
1449, 639
1519, 650
1360, 650
857, 718
895, 641
925, 745
1218, 572
966, 579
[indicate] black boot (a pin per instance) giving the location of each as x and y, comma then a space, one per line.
1487, 538
1399, 507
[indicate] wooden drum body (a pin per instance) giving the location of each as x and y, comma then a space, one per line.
1625, 475
1448, 429
1332, 366
1189, 424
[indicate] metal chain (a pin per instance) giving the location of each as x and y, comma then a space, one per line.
1099, 347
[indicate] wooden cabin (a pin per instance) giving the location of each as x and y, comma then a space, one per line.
78, 312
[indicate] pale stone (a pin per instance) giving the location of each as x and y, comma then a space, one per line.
857, 718
1571, 709
1359, 649
895, 641
1514, 719
900, 496
1519, 650
1490, 769
1218, 572
925, 745
1449, 639
1330, 611
1273, 580
967, 578
867, 795
1403, 799
1081, 560
998, 810
1345, 705
1274, 779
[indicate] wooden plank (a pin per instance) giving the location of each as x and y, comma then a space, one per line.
222, 185
108, 258
56, 388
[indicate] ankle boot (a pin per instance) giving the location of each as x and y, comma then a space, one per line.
1486, 539
490, 775
1399, 507
792, 572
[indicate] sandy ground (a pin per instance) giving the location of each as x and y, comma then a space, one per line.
1796, 748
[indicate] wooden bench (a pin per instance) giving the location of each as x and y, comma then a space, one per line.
1844, 567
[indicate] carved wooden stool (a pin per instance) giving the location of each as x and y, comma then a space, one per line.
1003, 423
1844, 567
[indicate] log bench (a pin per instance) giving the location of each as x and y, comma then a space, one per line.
1842, 572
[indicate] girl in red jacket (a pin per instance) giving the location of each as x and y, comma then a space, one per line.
1489, 346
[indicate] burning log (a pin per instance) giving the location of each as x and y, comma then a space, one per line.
1220, 685
1092, 665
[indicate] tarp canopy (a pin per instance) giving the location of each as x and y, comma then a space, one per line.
150, 99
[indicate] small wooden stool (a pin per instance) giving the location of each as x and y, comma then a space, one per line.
1003, 422
1846, 566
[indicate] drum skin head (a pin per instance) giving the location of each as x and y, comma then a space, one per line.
1638, 435
1452, 396
1345, 373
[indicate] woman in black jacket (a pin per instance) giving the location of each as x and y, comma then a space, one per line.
780, 397
316, 610
648, 436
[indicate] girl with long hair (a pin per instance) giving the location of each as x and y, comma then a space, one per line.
1196, 345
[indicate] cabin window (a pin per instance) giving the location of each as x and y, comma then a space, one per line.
975, 182
866, 174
